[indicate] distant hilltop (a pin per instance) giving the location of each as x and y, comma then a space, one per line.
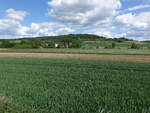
73, 41
77, 36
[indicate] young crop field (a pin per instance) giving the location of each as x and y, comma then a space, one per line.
121, 45
30, 85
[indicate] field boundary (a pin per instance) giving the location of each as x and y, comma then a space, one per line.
81, 51
126, 58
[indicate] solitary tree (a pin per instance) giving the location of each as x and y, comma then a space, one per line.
134, 46
113, 45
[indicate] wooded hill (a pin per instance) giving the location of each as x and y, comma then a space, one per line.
63, 41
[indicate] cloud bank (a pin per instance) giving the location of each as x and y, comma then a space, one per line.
83, 12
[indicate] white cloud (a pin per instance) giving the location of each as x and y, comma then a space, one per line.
136, 26
138, 7
83, 12
140, 21
46, 29
11, 27
132, 9
106, 32
138, 34
16, 15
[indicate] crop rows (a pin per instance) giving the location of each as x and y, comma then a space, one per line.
74, 86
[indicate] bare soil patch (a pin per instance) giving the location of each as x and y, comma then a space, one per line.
4, 99
127, 58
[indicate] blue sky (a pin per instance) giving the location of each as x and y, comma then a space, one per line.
110, 18
36, 12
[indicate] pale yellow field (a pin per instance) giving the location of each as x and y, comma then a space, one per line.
127, 58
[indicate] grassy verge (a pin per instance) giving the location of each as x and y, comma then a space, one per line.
83, 51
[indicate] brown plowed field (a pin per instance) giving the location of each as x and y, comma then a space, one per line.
127, 58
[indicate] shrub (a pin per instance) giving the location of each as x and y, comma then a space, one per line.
70, 43
23, 46
51, 44
148, 47
76, 44
7, 44
113, 45
135, 46
35, 43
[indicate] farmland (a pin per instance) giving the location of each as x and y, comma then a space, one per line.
72, 41
74, 56
80, 51
30, 85
102, 57
83, 74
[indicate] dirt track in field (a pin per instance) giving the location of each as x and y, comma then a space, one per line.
127, 58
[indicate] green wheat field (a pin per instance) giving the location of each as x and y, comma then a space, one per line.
73, 86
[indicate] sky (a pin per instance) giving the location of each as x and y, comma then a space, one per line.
109, 18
